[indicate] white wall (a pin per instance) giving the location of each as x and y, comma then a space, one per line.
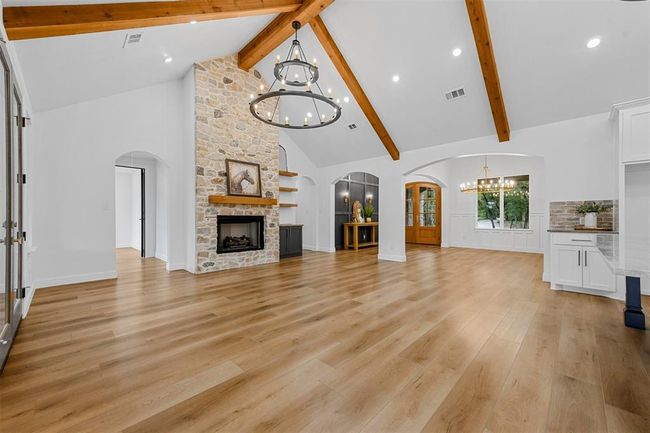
307, 196
188, 186
74, 188
577, 165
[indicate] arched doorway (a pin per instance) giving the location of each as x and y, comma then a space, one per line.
423, 213
141, 206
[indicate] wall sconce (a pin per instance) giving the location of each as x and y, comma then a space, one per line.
369, 198
346, 198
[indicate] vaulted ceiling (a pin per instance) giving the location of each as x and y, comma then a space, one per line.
547, 72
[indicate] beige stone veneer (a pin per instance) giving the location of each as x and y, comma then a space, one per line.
226, 129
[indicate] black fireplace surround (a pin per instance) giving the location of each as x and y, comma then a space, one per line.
240, 233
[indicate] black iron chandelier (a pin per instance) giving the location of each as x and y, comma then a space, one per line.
297, 73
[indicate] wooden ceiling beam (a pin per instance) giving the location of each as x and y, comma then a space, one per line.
351, 81
28, 22
278, 31
481, 30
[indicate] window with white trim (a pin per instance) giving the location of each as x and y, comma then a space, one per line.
509, 210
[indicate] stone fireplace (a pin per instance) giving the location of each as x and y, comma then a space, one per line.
225, 129
240, 233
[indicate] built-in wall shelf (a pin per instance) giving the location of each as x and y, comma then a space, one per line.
235, 199
287, 189
288, 205
287, 173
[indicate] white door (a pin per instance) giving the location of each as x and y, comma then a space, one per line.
596, 272
567, 265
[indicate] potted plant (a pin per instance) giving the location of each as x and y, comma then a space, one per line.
368, 211
590, 210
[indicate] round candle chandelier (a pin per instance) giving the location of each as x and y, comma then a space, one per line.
295, 77
487, 184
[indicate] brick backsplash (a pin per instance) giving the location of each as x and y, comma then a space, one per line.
563, 215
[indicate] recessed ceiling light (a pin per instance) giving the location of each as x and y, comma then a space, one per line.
395, 78
346, 99
593, 42
310, 115
457, 52
193, 22
168, 59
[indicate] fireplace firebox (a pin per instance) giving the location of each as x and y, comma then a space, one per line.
239, 233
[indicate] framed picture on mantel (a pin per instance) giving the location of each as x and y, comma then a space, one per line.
243, 178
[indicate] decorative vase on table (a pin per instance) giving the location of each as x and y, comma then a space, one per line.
591, 220
369, 220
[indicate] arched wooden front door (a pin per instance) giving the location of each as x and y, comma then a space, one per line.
423, 213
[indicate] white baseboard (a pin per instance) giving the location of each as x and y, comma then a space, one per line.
444, 245
27, 301
324, 249
171, 267
310, 247
392, 257
190, 267
74, 279
493, 248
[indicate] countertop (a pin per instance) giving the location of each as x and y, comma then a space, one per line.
600, 232
637, 255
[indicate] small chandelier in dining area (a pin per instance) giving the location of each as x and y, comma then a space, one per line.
296, 79
487, 184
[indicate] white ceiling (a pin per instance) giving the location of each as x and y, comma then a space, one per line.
547, 72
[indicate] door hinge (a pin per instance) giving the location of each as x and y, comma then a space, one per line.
23, 291
24, 178
25, 236
21, 178
25, 121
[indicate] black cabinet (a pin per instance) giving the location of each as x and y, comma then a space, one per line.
290, 241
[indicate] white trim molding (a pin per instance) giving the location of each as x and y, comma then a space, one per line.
392, 257
75, 279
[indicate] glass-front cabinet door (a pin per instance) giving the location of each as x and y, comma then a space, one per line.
423, 213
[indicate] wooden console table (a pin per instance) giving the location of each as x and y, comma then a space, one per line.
355, 235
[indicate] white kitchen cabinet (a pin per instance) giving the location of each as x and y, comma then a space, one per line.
634, 131
596, 273
576, 263
567, 265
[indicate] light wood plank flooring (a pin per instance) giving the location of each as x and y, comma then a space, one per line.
454, 340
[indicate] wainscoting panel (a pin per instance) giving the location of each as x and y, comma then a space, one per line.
464, 234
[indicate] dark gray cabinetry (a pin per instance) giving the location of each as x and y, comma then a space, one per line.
290, 241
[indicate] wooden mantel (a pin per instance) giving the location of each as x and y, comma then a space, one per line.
235, 199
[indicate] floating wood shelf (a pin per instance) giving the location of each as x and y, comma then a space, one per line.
288, 205
235, 199
287, 173
287, 189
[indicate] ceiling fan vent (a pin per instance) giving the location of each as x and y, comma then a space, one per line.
352, 126
132, 38
455, 94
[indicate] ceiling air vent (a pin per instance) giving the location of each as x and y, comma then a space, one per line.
455, 94
132, 38
352, 126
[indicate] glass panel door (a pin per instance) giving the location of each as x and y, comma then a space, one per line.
5, 292
409, 207
17, 199
427, 207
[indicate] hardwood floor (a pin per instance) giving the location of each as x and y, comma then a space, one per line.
454, 340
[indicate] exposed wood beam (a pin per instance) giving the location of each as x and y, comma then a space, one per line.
27, 22
481, 30
351, 81
278, 31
